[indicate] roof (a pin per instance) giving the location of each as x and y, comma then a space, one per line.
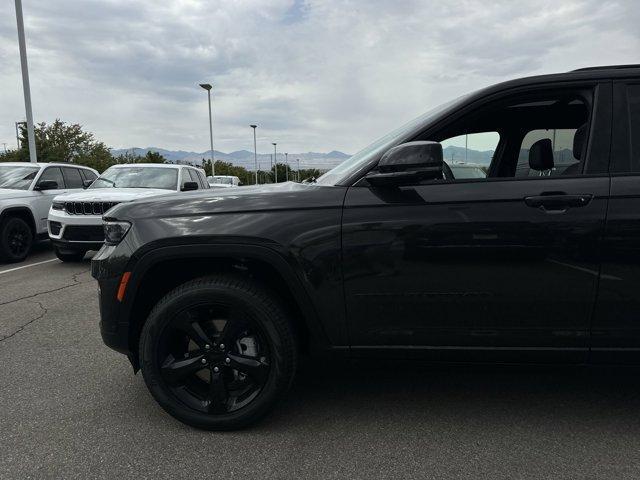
44, 164
148, 165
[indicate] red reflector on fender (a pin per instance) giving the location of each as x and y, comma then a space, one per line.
123, 285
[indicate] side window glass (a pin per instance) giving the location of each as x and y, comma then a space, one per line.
188, 176
470, 155
55, 174
72, 177
88, 175
564, 153
203, 180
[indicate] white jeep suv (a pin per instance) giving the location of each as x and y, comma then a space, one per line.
26, 193
75, 220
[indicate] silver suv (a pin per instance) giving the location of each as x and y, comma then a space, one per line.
26, 193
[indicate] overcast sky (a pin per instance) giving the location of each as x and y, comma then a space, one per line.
315, 76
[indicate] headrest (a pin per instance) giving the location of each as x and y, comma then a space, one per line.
541, 155
578, 141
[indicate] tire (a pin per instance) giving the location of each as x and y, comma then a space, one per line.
16, 239
70, 255
263, 366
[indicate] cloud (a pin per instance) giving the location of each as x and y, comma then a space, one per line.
314, 75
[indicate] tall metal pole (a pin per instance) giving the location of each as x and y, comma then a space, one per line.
255, 150
25, 83
286, 166
275, 161
208, 87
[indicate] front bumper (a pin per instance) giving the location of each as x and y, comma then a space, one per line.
107, 267
75, 232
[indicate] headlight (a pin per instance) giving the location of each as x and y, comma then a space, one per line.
57, 205
115, 231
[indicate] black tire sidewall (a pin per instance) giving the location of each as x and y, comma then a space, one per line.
5, 254
266, 313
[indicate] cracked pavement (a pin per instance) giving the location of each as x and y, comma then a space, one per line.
71, 408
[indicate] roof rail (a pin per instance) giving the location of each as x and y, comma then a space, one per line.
607, 67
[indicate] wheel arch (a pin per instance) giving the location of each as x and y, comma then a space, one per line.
160, 270
23, 212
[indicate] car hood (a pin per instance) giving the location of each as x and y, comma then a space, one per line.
280, 196
13, 194
112, 194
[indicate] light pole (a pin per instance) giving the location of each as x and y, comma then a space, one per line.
25, 82
275, 161
298, 170
255, 150
208, 87
286, 166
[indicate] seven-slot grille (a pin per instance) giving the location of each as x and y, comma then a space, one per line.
88, 208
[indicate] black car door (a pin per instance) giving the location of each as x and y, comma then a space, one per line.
502, 268
616, 322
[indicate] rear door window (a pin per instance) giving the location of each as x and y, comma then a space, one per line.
72, 177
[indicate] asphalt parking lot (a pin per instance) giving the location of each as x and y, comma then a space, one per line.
71, 408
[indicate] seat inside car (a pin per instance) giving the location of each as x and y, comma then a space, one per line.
541, 156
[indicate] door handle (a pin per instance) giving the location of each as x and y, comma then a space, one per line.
557, 202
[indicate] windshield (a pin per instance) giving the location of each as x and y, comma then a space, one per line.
138, 177
17, 178
221, 180
352, 164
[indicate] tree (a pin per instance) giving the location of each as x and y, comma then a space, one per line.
62, 142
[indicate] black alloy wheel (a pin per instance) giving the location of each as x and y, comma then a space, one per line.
213, 358
217, 353
16, 239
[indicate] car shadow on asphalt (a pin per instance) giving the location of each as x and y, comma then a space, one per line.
372, 393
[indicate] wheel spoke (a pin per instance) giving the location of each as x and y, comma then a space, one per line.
254, 367
218, 394
175, 371
232, 328
195, 332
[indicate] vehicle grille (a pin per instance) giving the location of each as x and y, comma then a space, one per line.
88, 208
84, 233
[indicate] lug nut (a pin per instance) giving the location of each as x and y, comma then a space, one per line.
207, 347
227, 360
216, 369
204, 360
222, 346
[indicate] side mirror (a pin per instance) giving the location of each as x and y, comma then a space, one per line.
86, 184
408, 164
189, 186
46, 185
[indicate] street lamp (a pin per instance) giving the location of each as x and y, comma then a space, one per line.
25, 83
286, 166
255, 150
275, 161
208, 87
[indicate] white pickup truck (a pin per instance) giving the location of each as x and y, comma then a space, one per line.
26, 193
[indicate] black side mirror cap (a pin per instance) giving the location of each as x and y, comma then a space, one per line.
86, 184
409, 164
46, 185
189, 186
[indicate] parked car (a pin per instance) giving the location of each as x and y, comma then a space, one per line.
26, 192
223, 181
75, 220
389, 255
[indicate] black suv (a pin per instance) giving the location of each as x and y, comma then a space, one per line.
530, 254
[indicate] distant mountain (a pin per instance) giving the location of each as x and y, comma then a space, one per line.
457, 154
244, 158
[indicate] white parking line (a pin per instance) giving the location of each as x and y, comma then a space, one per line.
30, 265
